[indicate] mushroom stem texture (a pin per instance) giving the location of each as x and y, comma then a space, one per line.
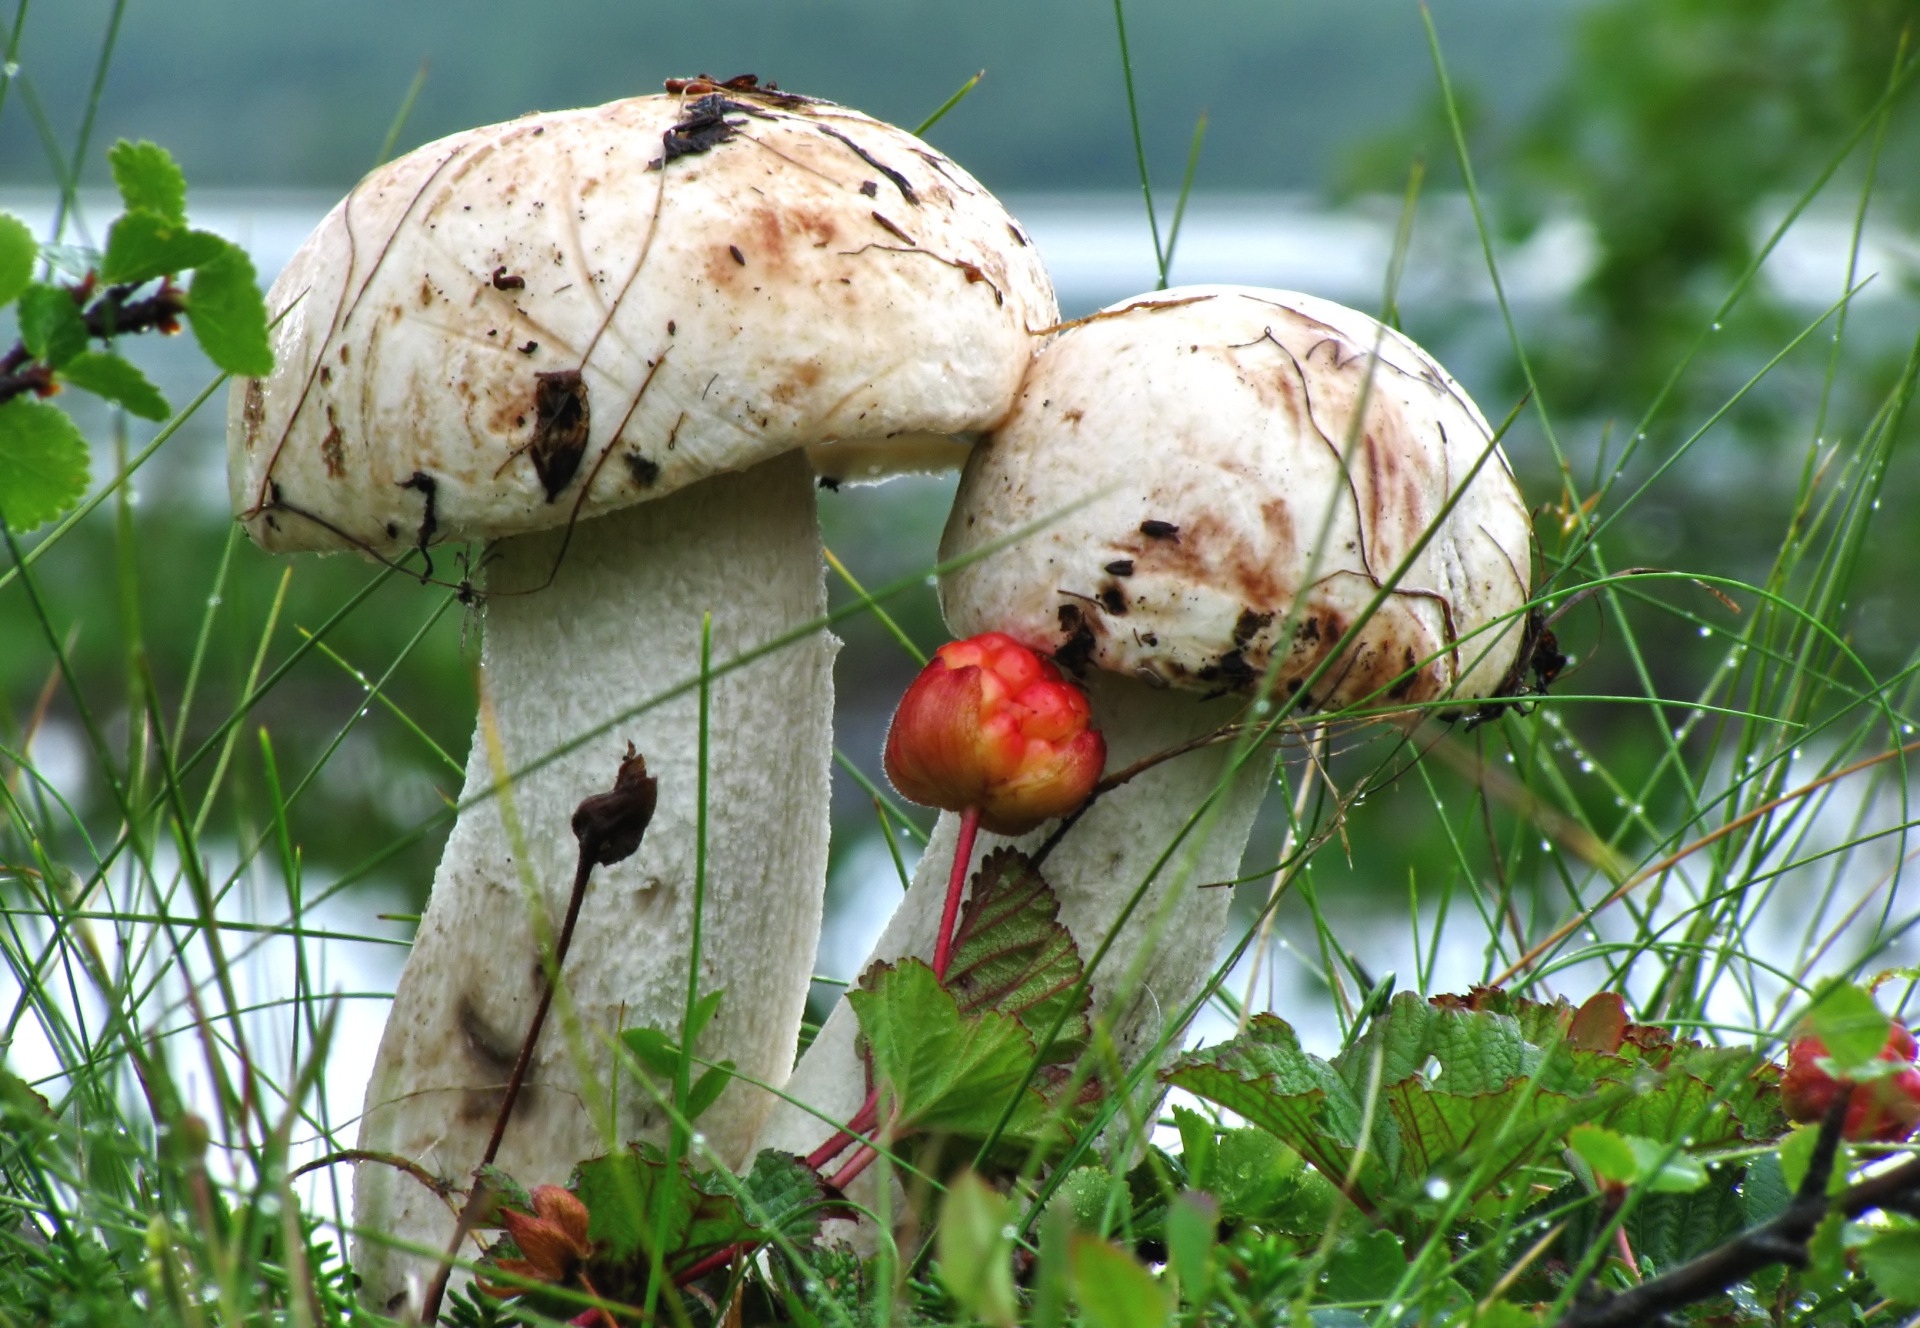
1169, 943
619, 624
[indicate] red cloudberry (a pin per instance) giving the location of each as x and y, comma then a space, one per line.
991, 726
1883, 1110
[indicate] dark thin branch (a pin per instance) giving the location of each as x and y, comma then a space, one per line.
609, 827
1786, 1239
113, 314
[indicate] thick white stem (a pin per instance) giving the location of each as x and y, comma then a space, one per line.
1172, 937
620, 624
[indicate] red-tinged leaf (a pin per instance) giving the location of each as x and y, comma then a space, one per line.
1012, 955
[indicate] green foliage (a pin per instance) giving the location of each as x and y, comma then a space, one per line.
43, 459
51, 328
149, 180
228, 316
1853, 1027
1481, 1090
974, 1251
950, 1056
107, 375
43, 462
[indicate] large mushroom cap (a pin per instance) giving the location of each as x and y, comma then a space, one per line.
558, 316
1229, 477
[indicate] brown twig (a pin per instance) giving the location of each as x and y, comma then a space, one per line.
440, 1185
113, 313
609, 827
1783, 1240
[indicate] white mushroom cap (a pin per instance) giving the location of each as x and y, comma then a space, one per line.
1215, 496
527, 310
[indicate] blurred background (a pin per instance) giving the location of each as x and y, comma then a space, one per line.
1631, 159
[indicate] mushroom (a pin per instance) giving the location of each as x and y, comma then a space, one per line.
1218, 483
512, 334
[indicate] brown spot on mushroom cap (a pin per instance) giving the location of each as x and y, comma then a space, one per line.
333, 447
253, 411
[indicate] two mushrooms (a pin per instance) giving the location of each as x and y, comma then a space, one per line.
618, 345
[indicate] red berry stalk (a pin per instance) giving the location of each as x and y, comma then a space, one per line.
993, 731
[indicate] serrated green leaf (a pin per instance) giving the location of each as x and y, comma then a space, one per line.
1851, 1024
149, 180
975, 1251
1892, 1260
1365, 1269
1113, 1290
229, 315
1669, 1229
707, 1089
785, 1195
107, 375
1763, 1191
1266, 1078
51, 326
1011, 955
143, 245
17, 252
43, 463
633, 1194
948, 1073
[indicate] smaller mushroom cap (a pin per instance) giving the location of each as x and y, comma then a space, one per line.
544, 320
1223, 479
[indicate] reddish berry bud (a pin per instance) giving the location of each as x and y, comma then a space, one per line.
552, 1239
1884, 1110
991, 725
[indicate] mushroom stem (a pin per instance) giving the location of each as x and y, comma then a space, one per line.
620, 623
1171, 938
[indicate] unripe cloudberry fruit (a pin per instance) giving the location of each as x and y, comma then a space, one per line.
990, 725
1883, 1110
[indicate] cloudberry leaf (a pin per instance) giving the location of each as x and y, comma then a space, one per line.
947, 1072
1012, 955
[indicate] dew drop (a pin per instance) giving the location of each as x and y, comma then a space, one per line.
1262, 707
11, 69
213, 601
1716, 327
932, 580
1437, 1188
1706, 631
